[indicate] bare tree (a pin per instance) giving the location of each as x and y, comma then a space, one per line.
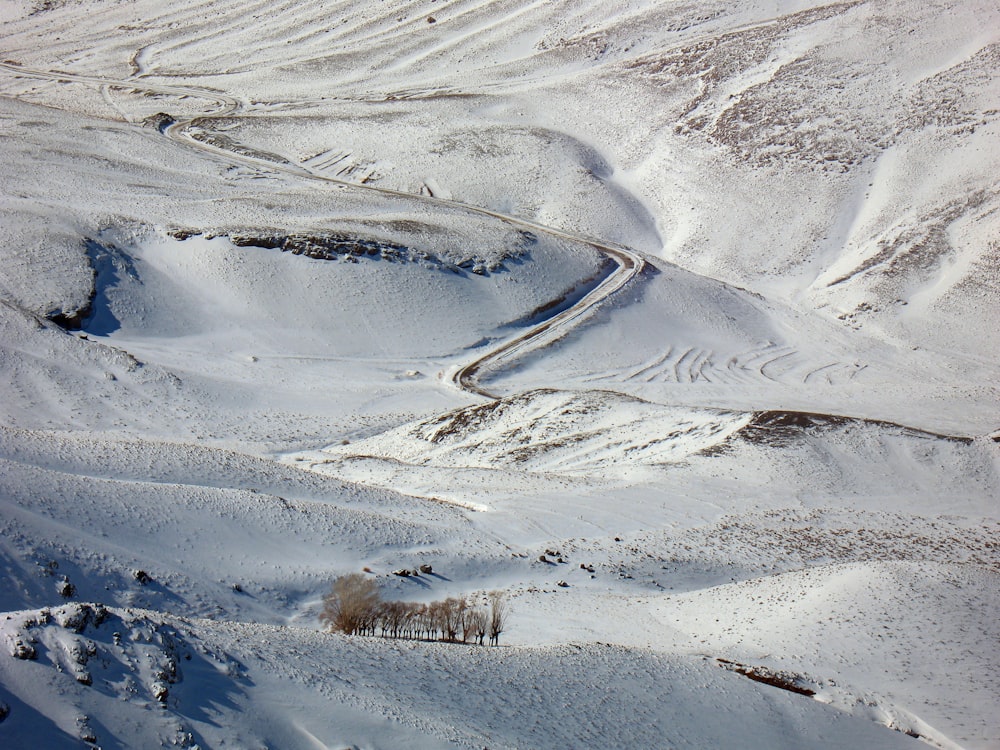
355, 606
464, 619
411, 619
395, 618
451, 613
476, 624
424, 615
435, 619
498, 615
352, 605
482, 626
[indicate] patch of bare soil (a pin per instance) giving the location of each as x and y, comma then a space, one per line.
795, 114
919, 247
819, 109
782, 428
789, 681
826, 536
458, 423
351, 248
793, 683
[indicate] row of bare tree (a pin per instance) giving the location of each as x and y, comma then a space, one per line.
355, 606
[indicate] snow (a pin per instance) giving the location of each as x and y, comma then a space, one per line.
696, 301
365, 692
853, 611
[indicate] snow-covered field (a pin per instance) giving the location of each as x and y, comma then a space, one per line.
698, 300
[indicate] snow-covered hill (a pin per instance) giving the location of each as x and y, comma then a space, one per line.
728, 268
160, 681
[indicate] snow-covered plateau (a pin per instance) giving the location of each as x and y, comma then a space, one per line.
675, 322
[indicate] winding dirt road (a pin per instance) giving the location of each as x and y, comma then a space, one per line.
627, 263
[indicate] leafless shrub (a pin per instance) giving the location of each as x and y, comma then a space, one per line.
351, 604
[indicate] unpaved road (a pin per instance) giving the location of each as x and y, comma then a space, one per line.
627, 263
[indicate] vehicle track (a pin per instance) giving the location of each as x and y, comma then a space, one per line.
627, 263
227, 105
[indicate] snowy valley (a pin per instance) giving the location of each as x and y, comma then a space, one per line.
676, 322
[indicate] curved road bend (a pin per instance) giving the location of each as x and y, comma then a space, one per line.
628, 263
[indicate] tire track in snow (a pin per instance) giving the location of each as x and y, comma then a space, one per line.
226, 105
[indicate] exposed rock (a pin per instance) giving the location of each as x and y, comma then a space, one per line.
70, 320
142, 577
66, 589
21, 649
161, 121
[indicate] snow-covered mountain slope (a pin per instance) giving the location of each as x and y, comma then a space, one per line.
729, 269
198, 683
852, 611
